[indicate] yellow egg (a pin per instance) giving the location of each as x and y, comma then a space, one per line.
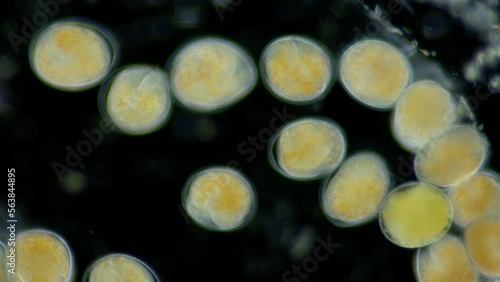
42, 256
415, 214
354, 194
211, 74
446, 261
308, 148
297, 69
72, 55
482, 241
219, 199
119, 268
452, 156
137, 99
374, 73
423, 110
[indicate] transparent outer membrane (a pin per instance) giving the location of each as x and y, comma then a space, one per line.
137, 99
475, 198
42, 256
445, 260
219, 199
374, 73
415, 214
452, 156
482, 243
297, 69
423, 110
118, 267
354, 194
211, 74
307, 148
73, 55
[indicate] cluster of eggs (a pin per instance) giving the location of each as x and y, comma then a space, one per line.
43, 255
211, 74
453, 185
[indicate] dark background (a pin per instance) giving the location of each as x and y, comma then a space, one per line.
131, 200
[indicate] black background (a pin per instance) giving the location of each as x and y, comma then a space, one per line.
132, 198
